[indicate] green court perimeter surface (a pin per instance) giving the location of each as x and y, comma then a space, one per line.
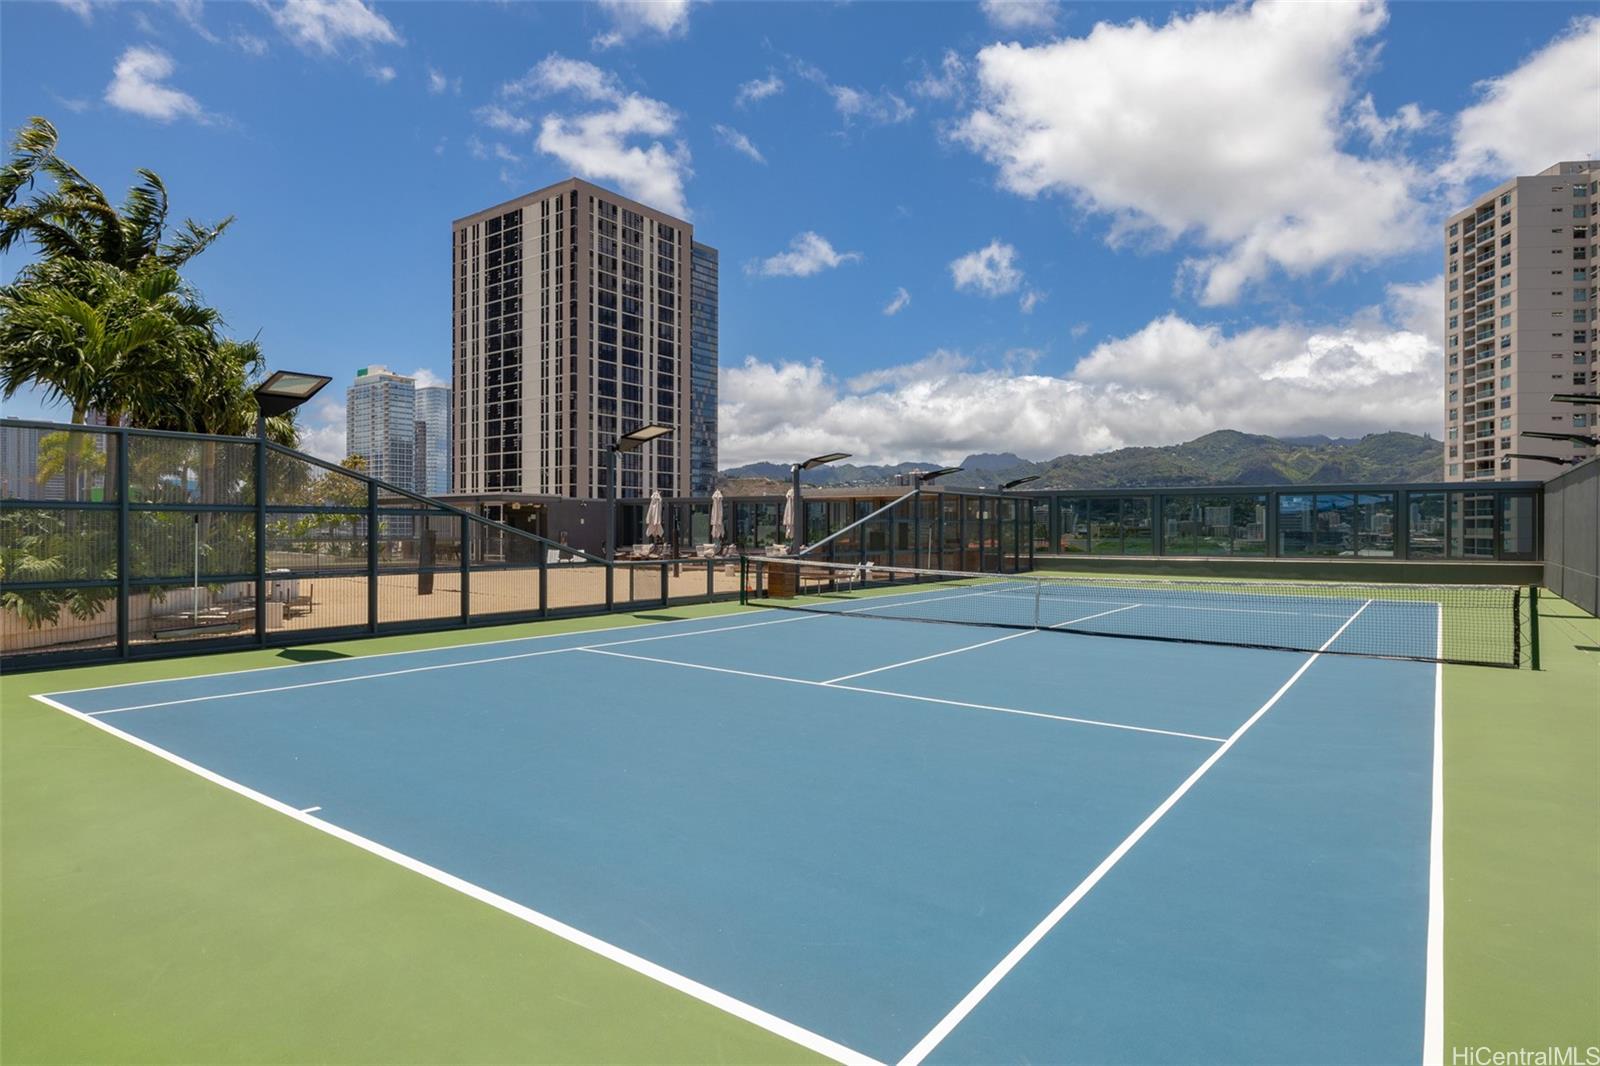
148, 915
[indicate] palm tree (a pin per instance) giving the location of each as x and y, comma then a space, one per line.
75, 221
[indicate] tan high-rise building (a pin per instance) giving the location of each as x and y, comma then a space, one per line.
1520, 323
569, 326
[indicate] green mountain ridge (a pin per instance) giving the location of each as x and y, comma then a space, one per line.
1224, 457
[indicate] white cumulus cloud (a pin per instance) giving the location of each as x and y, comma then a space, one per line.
326, 25
1547, 109
1170, 381
138, 85
1021, 14
627, 138
643, 18
1227, 126
853, 104
809, 253
991, 270
496, 117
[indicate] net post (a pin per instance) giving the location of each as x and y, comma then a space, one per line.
1038, 591
744, 581
466, 571
1533, 626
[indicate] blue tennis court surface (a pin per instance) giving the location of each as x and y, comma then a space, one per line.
913, 842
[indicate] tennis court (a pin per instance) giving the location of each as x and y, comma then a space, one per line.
891, 840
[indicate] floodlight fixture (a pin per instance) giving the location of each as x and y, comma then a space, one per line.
638, 437
794, 487
1558, 460
285, 390
1019, 481
928, 476
1575, 397
1576, 438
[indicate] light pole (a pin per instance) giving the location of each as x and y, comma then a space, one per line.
815, 461
281, 393
630, 441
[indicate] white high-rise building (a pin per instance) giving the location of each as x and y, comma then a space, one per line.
1520, 323
380, 424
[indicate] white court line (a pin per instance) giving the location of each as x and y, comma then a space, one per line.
419, 669
405, 651
309, 810
1102, 614
971, 647
925, 658
1433, 996
687, 985
937, 1034
907, 696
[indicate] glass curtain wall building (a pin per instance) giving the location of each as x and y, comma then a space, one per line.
433, 440
380, 424
702, 369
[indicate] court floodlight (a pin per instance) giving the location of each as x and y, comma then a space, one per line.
924, 478
1575, 397
285, 390
1558, 460
637, 438
1019, 481
797, 533
630, 441
1576, 438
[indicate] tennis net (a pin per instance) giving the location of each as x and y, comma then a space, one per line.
1476, 625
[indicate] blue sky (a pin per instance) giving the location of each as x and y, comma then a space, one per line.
1112, 224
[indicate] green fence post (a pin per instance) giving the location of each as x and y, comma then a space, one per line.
261, 528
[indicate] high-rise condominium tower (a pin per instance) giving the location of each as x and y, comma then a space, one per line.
1520, 322
380, 424
433, 440
570, 326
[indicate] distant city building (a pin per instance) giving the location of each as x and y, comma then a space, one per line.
1520, 323
569, 326
703, 270
380, 424
433, 440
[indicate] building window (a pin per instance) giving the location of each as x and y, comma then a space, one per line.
1505, 200
1505, 321
1505, 403
1455, 283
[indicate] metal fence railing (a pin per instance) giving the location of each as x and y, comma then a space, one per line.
1572, 536
123, 543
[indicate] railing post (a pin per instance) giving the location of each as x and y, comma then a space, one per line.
664, 596
261, 529
544, 581
372, 557
124, 607
466, 573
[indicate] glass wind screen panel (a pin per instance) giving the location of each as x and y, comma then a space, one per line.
1336, 522
1137, 535
1296, 524
1375, 533
1179, 533
1249, 525
1074, 524
1041, 525
950, 543
1472, 525
1213, 534
816, 521
1425, 535
1516, 527
1105, 526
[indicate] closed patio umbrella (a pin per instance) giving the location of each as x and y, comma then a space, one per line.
716, 516
652, 517
788, 518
